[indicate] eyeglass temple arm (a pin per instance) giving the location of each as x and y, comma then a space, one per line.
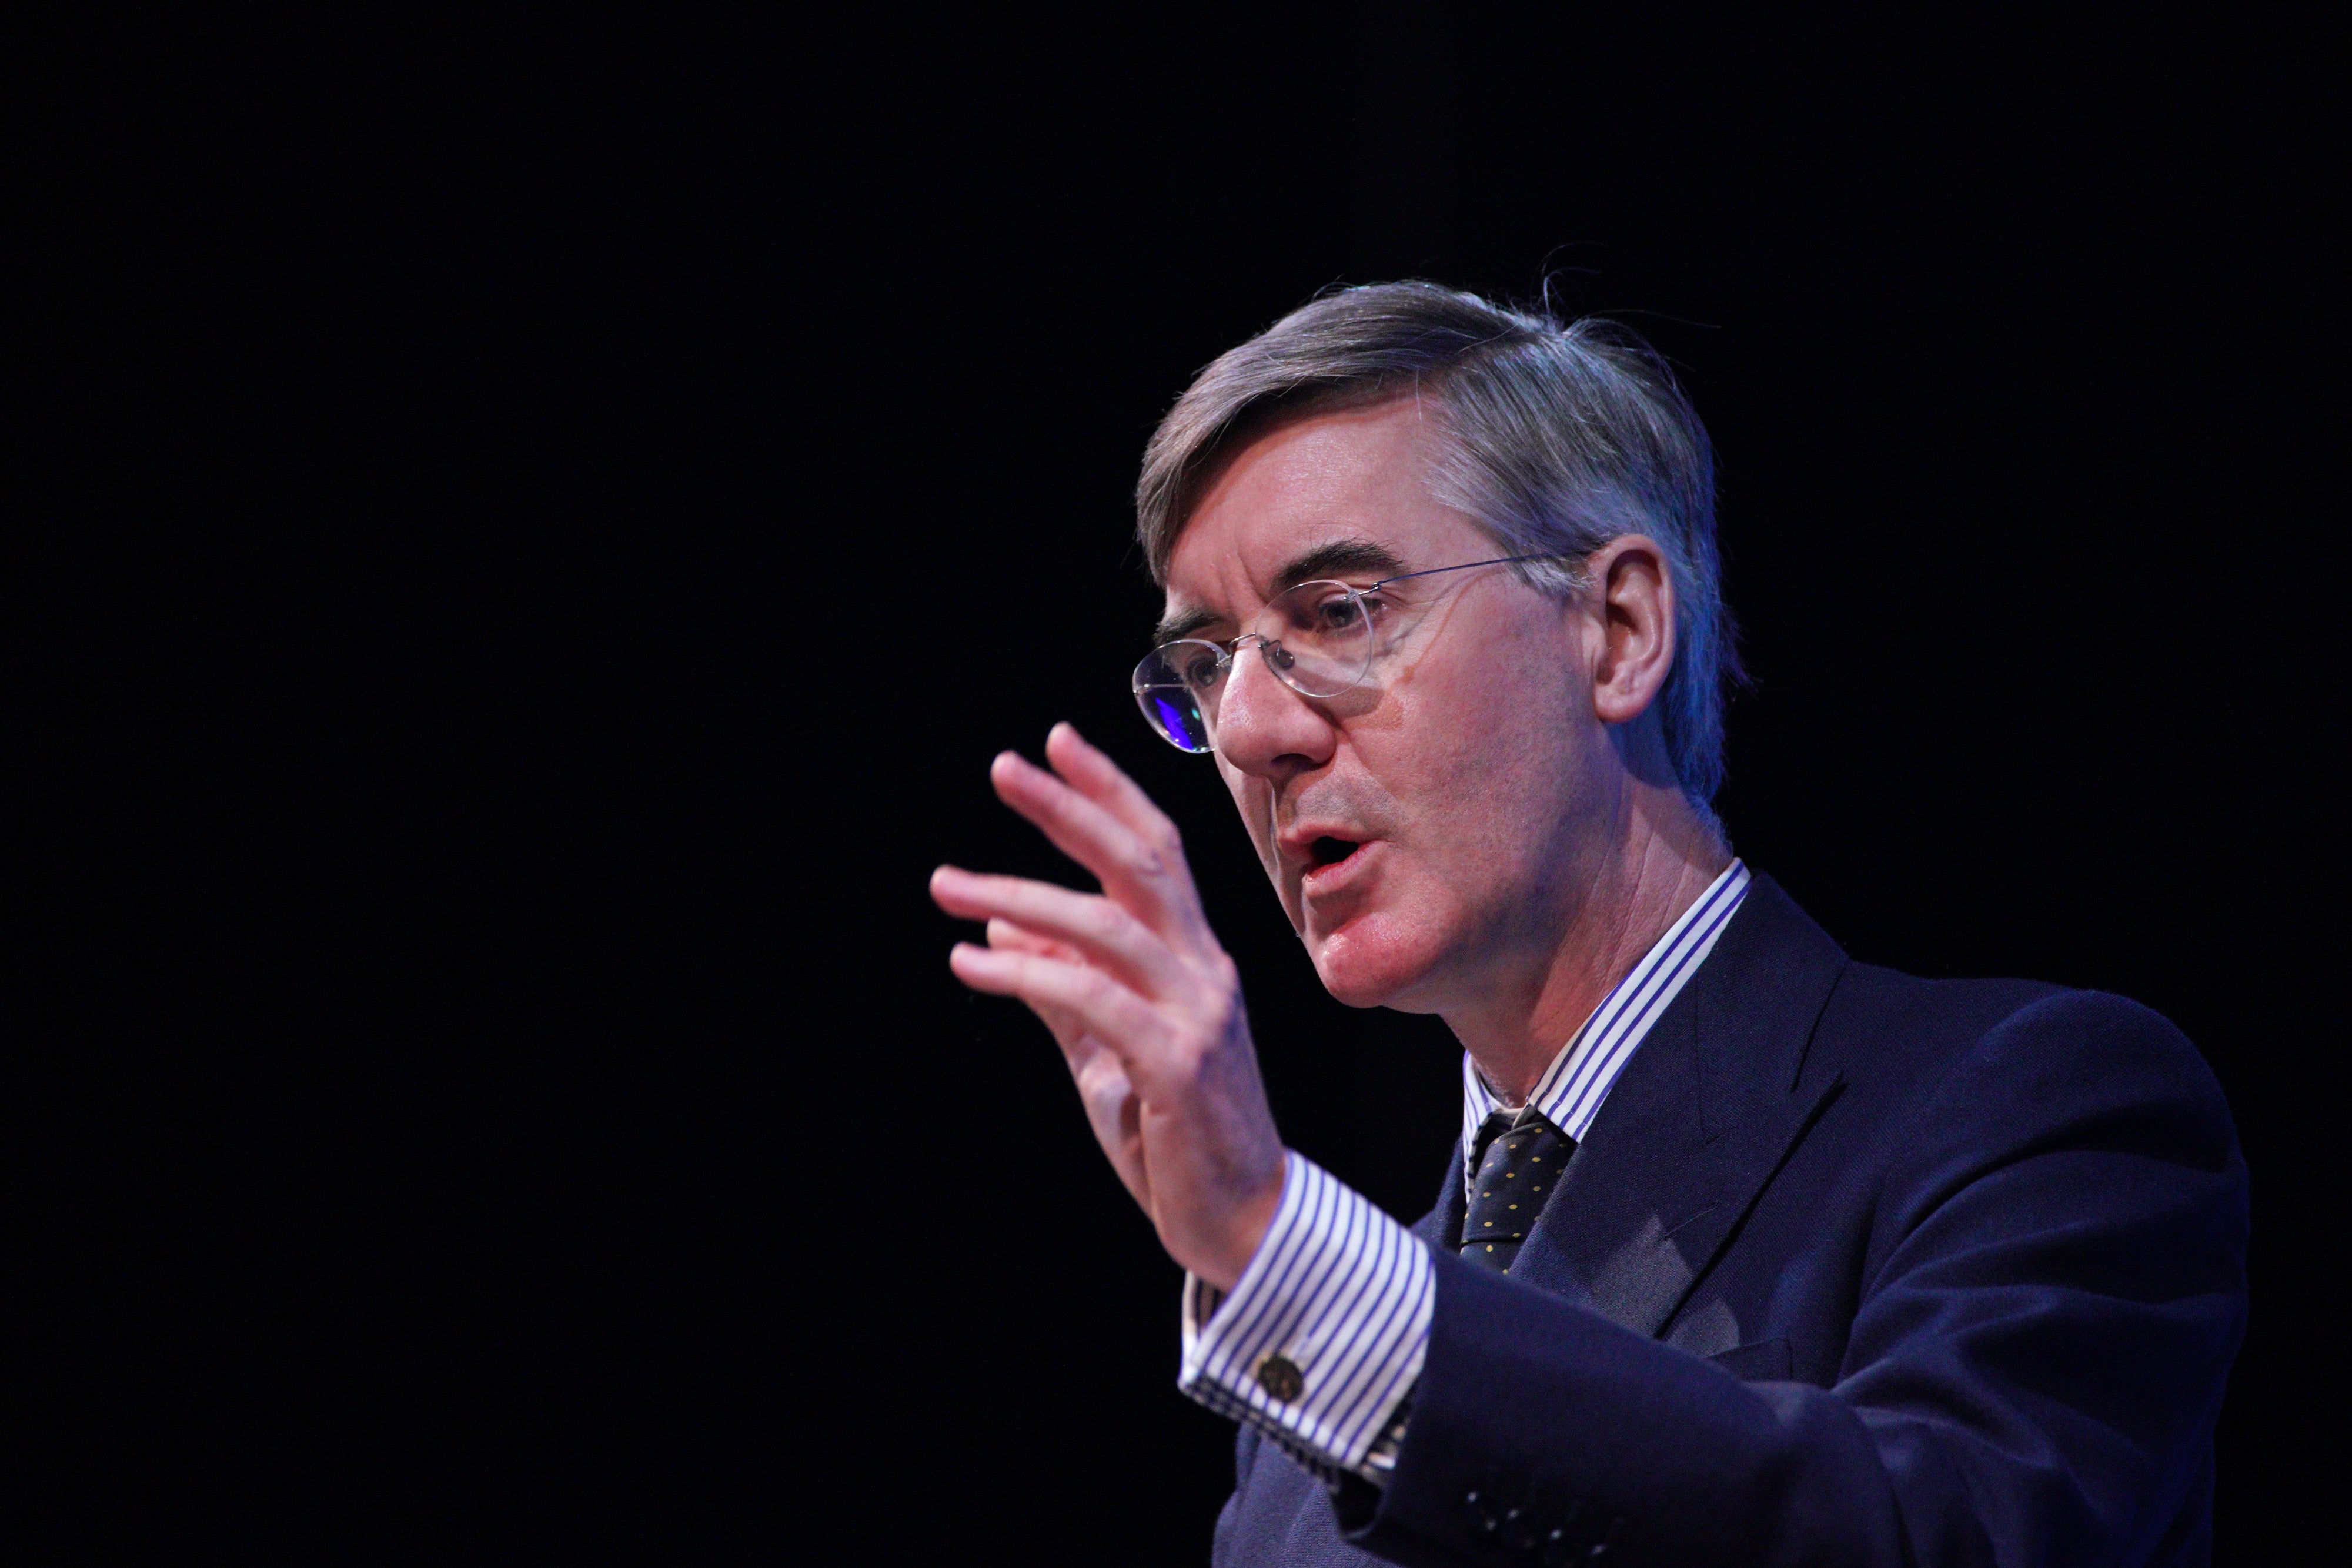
1465, 566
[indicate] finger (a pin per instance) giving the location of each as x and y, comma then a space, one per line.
1006, 935
1097, 926
1077, 1046
1150, 881
1090, 772
1115, 1112
1080, 828
1123, 1021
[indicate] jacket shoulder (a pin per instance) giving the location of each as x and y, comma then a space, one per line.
2042, 1061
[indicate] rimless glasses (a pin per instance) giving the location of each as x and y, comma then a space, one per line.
1319, 639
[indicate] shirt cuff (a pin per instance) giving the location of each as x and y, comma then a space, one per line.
1324, 1333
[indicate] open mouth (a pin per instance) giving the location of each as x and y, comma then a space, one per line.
1328, 850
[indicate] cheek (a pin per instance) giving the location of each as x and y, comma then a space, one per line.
1497, 786
1492, 749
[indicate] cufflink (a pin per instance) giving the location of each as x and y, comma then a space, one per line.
1280, 1376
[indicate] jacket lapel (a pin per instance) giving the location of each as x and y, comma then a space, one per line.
1441, 1226
1704, 1112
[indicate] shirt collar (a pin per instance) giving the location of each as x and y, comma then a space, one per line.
1569, 1093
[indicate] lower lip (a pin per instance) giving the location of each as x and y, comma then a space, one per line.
1331, 878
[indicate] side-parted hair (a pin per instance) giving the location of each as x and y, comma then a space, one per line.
1560, 437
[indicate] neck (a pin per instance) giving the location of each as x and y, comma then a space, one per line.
1659, 855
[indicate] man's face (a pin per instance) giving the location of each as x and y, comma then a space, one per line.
1428, 826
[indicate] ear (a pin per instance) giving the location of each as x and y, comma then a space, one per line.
1634, 598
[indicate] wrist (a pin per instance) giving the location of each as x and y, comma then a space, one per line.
1252, 1218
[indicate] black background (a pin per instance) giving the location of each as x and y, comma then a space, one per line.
564, 509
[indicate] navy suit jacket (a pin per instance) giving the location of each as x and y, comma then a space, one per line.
1852, 1267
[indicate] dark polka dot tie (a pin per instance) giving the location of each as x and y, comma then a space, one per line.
1519, 1161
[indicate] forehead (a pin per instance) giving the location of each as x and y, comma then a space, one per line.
1350, 475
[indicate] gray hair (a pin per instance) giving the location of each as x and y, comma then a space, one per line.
1562, 435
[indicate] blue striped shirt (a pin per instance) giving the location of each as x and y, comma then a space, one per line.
1337, 1300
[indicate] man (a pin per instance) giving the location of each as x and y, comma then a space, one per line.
1749, 1253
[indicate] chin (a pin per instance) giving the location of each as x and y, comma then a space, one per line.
1376, 961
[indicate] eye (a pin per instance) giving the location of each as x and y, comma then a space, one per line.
1197, 668
1333, 611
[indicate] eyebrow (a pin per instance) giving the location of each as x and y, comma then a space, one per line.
1355, 557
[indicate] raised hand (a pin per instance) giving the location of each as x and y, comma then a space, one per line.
1143, 1000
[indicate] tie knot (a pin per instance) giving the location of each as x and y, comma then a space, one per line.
1496, 1132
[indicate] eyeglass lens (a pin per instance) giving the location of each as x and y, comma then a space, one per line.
1316, 638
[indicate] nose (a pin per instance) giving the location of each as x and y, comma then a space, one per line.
1266, 729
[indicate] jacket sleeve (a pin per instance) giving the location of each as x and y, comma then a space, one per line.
2053, 1290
